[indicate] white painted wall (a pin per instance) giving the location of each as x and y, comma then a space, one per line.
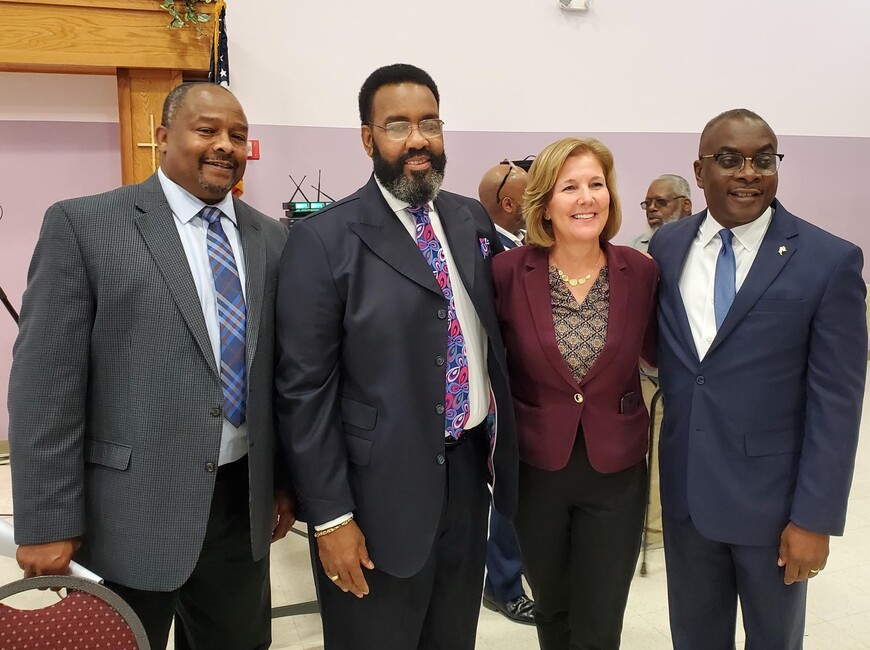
525, 65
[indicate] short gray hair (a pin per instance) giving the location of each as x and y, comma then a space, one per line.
678, 184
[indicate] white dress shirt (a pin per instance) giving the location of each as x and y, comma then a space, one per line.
516, 239
193, 232
699, 272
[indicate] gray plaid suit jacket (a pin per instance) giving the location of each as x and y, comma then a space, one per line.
113, 400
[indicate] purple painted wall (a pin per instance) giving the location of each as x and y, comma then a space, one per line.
822, 178
42, 162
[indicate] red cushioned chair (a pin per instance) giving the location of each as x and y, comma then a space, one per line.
90, 617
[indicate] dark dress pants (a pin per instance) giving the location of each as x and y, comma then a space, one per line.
226, 602
705, 580
580, 534
438, 608
504, 563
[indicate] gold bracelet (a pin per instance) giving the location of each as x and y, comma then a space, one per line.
332, 529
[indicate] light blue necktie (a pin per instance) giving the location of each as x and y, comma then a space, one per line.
232, 316
724, 285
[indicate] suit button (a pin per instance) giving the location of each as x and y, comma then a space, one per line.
439, 360
209, 467
699, 380
439, 409
440, 459
216, 411
578, 398
442, 314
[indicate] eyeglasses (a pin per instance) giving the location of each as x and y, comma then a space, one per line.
659, 203
398, 131
511, 168
765, 164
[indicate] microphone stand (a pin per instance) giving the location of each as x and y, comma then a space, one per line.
8, 306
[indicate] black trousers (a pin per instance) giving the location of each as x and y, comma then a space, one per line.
438, 608
226, 602
580, 534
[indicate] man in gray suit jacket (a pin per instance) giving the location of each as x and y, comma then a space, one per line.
140, 401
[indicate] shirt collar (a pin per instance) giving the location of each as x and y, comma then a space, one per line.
185, 206
396, 205
749, 235
517, 239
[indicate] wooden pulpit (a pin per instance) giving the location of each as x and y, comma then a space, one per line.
125, 38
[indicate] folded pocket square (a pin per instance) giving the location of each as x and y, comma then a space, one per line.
484, 247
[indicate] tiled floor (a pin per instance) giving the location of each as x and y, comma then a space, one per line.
838, 616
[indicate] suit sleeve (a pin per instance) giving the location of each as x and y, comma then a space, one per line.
48, 388
309, 315
836, 372
649, 351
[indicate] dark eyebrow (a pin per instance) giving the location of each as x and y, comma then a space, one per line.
770, 147
404, 118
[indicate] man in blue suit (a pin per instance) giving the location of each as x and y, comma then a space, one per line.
501, 193
762, 360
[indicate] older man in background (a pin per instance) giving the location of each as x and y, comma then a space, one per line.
667, 199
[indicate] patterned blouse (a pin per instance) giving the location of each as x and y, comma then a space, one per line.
581, 330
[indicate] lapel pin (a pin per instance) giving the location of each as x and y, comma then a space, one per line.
782, 249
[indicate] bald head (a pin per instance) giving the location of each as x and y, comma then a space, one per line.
501, 193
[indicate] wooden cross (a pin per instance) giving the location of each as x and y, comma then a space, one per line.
151, 144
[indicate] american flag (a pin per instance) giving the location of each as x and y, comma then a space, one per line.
219, 68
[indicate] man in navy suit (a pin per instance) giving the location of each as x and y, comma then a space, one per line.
392, 394
762, 360
501, 193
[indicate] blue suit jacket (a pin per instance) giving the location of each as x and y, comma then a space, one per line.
763, 430
361, 325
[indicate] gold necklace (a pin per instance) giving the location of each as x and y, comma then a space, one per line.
581, 280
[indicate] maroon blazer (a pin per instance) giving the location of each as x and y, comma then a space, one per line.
548, 401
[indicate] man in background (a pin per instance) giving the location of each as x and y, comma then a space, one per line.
667, 199
501, 193
140, 400
762, 358
393, 402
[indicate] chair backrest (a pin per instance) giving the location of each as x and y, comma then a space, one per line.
91, 616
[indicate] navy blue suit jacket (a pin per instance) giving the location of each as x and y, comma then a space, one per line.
361, 327
763, 430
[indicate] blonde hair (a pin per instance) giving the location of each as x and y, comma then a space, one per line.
542, 177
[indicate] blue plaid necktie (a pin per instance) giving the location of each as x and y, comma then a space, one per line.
726, 278
456, 392
231, 316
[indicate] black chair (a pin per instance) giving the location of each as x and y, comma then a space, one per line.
654, 405
298, 609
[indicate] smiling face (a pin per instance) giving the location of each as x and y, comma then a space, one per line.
204, 149
741, 198
411, 169
580, 201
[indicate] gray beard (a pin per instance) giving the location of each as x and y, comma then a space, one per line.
423, 188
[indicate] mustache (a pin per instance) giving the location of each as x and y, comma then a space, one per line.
413, 153
223, 159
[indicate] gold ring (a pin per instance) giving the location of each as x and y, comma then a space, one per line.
814, 571
334, 578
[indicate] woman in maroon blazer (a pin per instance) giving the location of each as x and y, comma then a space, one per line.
577, 313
